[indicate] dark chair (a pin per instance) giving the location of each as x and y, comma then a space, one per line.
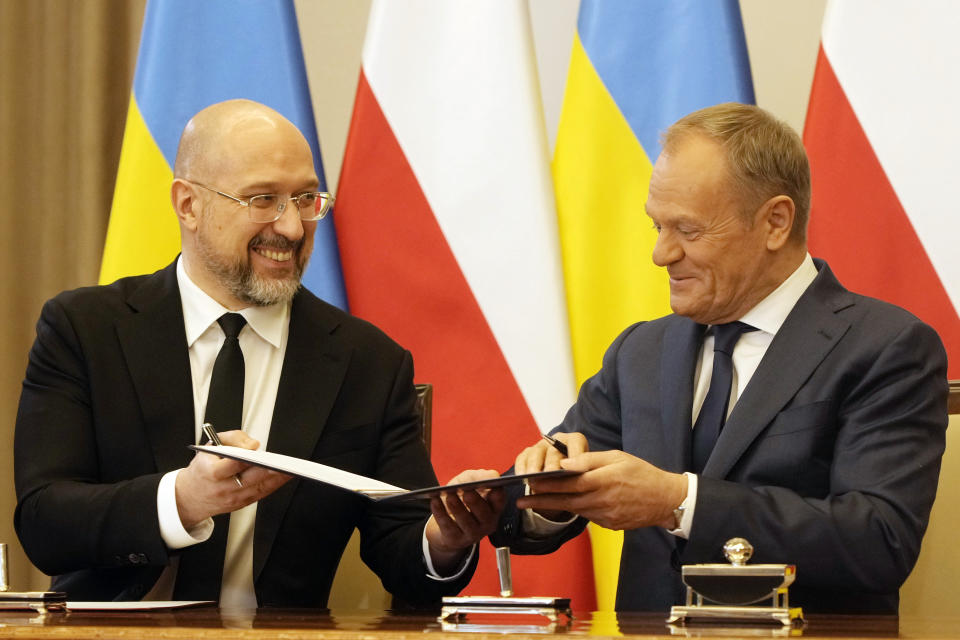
425, 407
355, 586
953, 400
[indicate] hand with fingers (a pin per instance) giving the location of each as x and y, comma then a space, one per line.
544, 456
208, 486
462, 518
616, 490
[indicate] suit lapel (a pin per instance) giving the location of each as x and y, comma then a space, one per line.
810, 332
314, 367
678, 361
154, 345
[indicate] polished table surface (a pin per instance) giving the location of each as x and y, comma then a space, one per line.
267, 624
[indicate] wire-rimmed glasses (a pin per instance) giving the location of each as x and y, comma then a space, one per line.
268, 207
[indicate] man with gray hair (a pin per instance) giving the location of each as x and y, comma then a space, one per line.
773, 404
113, 504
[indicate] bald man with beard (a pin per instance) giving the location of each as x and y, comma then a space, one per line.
113, 504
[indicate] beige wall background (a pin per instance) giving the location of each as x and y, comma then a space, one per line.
66, 69
65, 75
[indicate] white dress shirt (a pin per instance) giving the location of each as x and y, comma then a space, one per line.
767, 317
263, 342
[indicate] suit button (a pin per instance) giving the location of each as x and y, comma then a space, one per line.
133, 558
143, 558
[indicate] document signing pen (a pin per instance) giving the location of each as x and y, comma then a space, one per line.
556, 444
214, 439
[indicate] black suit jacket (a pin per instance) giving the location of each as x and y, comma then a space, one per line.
107, 409
829, 459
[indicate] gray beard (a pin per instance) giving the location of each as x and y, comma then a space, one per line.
245, 284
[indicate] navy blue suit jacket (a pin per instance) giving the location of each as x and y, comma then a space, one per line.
829, 460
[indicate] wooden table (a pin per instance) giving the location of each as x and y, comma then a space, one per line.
272, 624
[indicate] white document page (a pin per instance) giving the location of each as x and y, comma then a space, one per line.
306, 469
369, 487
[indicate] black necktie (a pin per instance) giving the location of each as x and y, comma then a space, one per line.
713, 413
225, 400
201, 565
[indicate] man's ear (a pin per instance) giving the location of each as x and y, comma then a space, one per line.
778, 214
183, 196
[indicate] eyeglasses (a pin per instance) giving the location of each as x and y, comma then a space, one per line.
268, 207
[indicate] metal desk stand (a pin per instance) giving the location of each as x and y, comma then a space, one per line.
735, 588
453, 615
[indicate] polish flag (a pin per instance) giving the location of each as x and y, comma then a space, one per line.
882, 134
447, 230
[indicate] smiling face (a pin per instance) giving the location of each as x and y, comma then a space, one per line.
247, 151
721, 261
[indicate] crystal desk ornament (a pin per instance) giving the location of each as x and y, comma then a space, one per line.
733, 590
453, 615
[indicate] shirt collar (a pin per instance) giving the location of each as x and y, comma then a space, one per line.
771, 312
200, 311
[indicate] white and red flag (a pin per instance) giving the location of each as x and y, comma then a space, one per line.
883, 135
447, 230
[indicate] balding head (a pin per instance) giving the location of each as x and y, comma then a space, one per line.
209, 140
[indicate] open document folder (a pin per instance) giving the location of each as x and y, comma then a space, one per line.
373, 489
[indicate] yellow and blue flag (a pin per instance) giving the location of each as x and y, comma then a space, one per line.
193, 54
636, 67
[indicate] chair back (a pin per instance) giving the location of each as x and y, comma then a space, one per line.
425, 407
953, 399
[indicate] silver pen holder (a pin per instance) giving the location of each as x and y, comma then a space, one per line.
453, 615
4, 568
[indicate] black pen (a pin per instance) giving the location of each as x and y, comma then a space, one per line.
556, 444
214, 439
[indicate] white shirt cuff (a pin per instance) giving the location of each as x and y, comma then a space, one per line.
536, 526
432, 573
688, 505
171, 529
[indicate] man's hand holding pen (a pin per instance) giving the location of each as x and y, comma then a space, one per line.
548, 455
616, 490
208, 486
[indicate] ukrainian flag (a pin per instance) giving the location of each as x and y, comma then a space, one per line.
193, 54
636, 67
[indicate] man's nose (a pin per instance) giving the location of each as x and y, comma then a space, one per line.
289, 224
667, 250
